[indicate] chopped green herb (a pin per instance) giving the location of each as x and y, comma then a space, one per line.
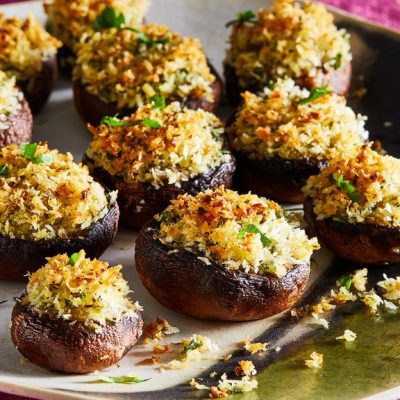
250, 228
73, 259
352, 193
115, 121
215, 134
147, 40
28, 150
245, 16
346, 281
193, 345
122, 379
43, 159
316, 93
4, 170
159, 102
337, 61
108, 18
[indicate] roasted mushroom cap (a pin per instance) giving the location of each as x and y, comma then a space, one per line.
359, 243
183, 282
277, 178
19, 126
19, 256
37, 90
92, 109
338, 80
139, 203
60, 345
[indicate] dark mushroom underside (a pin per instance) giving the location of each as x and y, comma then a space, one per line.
359, 243
139, 203
92, 109
37, 90
19, 256
19, 126
184, 283
60, 345
338, 80
276, 178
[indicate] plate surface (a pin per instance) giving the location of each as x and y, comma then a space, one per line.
376, 65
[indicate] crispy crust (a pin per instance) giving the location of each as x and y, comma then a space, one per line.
359, 243
19, 126
37, 90
339, 81
91, 109
277, 178
72, 348
184, 283
139, 203
19, 256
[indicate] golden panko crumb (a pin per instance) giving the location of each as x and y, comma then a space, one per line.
254, 348
315, 361
10, 99
156, 330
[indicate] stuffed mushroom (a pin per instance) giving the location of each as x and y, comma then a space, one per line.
68, 20
224, 256
121, 69
75, 315
157, 153
15, 114
28, 53
49, 204
285, 134
353, 206
293, 40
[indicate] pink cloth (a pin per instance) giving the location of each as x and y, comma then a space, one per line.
384, 12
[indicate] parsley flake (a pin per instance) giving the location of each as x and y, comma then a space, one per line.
194, 344
108, 18
145, 39
28, 150
73, 259
315, 93
4, 170
159, 102
122, 379
352, 193
346, 281
241, 17
251, 228
116, 122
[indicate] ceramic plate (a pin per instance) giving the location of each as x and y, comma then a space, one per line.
282, 373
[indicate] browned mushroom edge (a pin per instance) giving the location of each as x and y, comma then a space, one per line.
37, 90
19, 256
60, 345
139, 203
277, 178
92, 109
338, 80
19, 126
359, 243
184, 283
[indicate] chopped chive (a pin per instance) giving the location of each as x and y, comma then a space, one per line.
315, 93
241, 17
73, 259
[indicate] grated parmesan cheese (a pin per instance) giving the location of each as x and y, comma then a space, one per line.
348, 336
69, 19
89, 291
183, 147
212, 224
25, 45
274, 124
293, 39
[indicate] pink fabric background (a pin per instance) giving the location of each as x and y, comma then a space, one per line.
384, 12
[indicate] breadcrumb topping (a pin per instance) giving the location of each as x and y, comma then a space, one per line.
10, 99
391, 287
156, 330
69, 19
254, 348
294, 39
115, 65
244, 233
45, 200
186, 143
276, 124
25, 45
375, 177
348, 336
89, 291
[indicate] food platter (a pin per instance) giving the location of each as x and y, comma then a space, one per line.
376, 66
